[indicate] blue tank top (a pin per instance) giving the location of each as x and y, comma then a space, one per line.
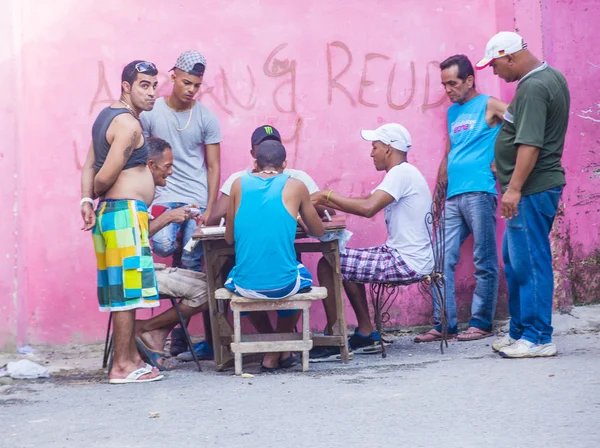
471, 148
101, 146
264, 235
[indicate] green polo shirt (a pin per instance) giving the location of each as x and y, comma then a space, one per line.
537, 116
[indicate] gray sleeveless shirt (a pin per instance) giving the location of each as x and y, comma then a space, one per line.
101, 145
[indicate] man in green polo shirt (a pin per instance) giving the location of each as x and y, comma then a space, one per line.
528, 155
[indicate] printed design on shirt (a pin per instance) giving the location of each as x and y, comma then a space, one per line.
464, 123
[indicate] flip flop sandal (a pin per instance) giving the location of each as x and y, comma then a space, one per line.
264, 369
288, 362
473, 335
134, 377
432, 336
152, 357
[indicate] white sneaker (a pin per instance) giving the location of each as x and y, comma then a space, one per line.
504, 341
525, 349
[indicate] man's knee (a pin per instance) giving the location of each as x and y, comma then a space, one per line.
163, 245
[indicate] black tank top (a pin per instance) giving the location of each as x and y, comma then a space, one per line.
101, 146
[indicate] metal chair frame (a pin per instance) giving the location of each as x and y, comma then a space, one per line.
432, 286
109, 346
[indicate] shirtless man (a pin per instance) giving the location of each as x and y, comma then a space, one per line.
190, 286
115, 171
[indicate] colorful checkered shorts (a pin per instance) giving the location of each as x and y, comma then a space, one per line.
380, 264
126, 278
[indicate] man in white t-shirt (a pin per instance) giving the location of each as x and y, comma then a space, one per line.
405, 198
260, 134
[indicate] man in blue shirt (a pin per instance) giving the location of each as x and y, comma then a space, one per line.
473, 124
261, 222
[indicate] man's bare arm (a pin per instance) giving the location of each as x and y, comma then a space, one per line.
127, 137
87, 190
367, 207
231, 210
219, 210
309, 214
88, 173
213, 164
443, 169
495, 111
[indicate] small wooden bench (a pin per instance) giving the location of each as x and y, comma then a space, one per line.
274, 342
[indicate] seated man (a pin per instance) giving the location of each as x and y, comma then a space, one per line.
260, 319
406, 254
261, 223
186, 284
260, 134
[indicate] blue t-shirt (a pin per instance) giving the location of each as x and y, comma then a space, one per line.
471, 148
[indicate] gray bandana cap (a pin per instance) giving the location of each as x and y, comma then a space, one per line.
191, 62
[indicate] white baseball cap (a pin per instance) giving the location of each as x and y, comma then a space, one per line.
502, 44
392, 134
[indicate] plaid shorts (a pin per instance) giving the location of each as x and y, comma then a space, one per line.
126, 278
380, 264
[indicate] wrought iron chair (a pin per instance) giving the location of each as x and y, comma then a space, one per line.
431, 286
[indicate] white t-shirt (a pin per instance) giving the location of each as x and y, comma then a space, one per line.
405, 216
295, 174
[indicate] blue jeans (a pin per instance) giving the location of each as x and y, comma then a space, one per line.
528, 266
163, 241
472, 213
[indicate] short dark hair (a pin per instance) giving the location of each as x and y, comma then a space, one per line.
130, 72
465, 68
270, 153
156, 148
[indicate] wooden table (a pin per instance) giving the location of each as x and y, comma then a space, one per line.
217, 253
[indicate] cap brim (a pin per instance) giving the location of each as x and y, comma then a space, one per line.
259, 140
370, 136
485, 62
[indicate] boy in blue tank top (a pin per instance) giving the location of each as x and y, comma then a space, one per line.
262, 223
473, 124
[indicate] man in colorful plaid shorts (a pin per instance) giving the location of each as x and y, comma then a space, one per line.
405, 198
115, 171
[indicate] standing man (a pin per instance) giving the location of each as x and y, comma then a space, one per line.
528, 153
473, 124
405, 198
115, 171
194, 133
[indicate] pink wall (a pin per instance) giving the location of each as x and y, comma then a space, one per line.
569, 43
318, 72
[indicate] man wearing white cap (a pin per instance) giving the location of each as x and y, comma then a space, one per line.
405, 198
528, 155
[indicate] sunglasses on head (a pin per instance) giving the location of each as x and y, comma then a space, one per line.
144, 67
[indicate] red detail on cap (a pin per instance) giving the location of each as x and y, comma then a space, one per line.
481, 67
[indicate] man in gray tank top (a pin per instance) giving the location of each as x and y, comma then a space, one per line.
115, 171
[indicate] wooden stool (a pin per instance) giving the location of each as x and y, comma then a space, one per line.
274, 342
